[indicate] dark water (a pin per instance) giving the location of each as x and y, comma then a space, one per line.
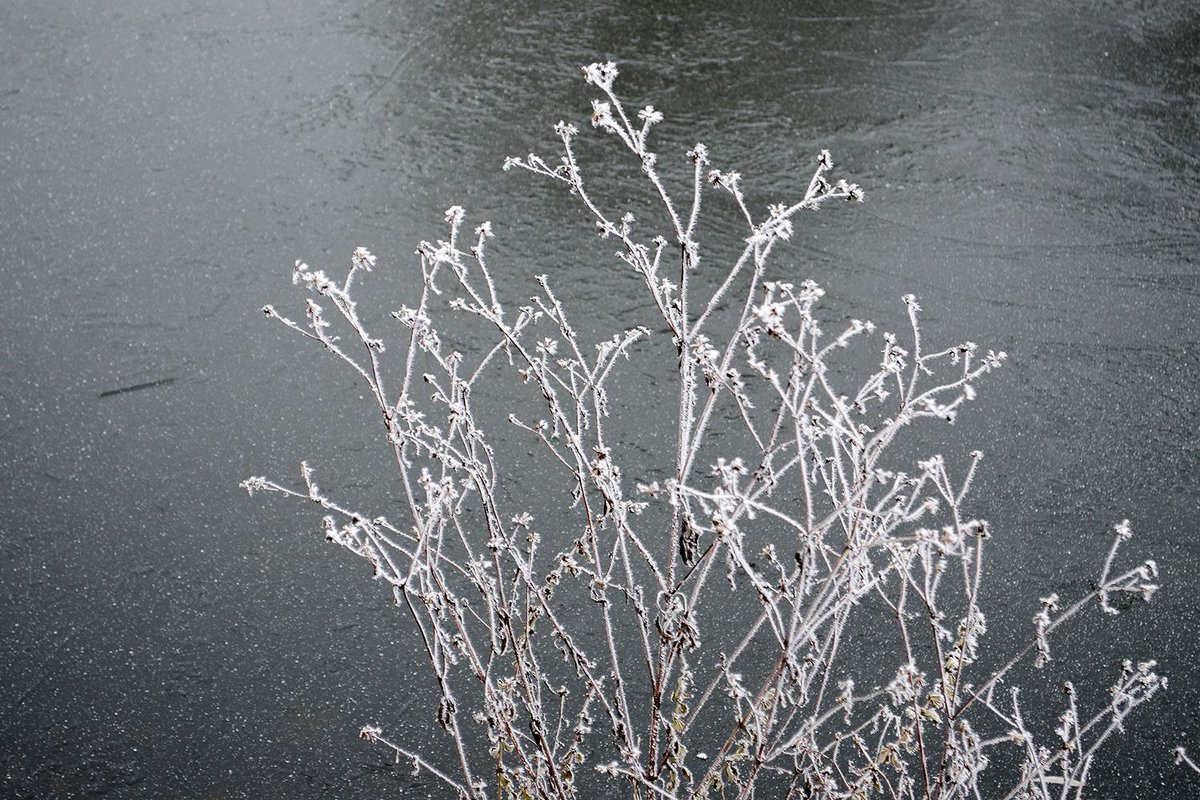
1032, 174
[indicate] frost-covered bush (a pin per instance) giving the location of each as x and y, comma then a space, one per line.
784, 602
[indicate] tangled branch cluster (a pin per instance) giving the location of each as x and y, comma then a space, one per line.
580, 648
